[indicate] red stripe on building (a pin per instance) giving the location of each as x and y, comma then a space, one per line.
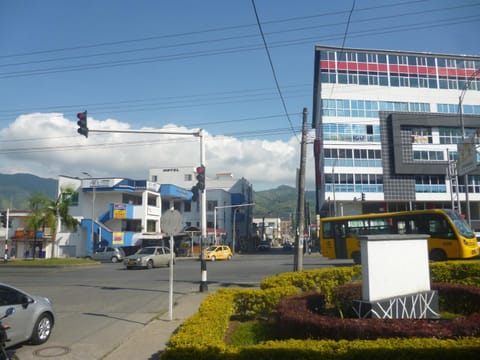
395, 68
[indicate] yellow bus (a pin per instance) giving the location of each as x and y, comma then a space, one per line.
450, 235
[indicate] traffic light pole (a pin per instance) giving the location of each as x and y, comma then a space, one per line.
203, 203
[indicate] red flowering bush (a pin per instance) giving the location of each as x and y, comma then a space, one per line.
307, 316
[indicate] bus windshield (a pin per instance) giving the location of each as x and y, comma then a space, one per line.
462, 226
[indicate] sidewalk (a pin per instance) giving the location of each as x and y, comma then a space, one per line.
149, 342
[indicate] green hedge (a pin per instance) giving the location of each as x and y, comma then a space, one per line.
202, 335
208, 326
324, 280
391, 349
456, 272
260, 303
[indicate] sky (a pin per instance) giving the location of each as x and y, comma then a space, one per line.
185, 65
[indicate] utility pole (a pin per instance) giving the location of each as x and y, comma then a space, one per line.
299, 240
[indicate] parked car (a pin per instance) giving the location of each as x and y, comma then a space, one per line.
218, 252
33, 317
287, 246
149, 257
264, 246
107, 253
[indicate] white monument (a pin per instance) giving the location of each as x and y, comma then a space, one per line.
396, 278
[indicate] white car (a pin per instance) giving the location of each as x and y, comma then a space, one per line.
33, 317
149, 257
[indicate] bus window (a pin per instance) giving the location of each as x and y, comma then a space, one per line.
327, 230
439, 228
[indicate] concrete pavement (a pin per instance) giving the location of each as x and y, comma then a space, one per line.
149, 342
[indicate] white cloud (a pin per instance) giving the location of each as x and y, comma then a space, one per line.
48, 145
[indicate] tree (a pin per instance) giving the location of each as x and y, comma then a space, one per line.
53, 213
36, 219
57, 213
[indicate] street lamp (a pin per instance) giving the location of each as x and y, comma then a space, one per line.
93, 184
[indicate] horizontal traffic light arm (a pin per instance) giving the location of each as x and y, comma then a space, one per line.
194, 133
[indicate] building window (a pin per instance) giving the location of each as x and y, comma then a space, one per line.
187, 207
424, 155
421, 135
211, 204
154, 178
430, 184
187, 177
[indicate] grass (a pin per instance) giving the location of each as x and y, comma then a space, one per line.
48, 262
249, 333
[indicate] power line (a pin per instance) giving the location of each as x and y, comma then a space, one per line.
202, 42
223, 51
273, 70
234, 27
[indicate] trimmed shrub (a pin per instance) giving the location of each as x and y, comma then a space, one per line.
459, 299
296, 318
201, 336
324, 280
260, 303
457, 272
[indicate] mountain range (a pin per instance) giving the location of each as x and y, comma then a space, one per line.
17, 189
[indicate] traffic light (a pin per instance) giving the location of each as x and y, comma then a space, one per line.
3, 219
363, 196
201, 177
82, 123
195, 193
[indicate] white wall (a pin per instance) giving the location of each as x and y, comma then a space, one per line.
394, 265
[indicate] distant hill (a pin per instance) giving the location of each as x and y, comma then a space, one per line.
281, 202
17, 189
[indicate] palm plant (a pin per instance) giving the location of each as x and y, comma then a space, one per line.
35, 220
53, 213
57, 212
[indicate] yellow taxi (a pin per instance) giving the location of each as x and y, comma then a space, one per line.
218, 252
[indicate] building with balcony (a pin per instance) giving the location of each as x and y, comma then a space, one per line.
115, 212
224, 194
387, 127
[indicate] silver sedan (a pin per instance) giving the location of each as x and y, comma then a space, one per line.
150, 257
32, 319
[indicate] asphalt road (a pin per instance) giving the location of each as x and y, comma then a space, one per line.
99, 306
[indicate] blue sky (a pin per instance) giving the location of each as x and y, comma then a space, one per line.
188, 64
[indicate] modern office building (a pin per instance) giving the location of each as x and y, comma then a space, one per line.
387, 127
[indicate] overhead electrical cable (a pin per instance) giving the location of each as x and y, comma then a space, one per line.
237, 49
197, 32
229, 38
273, 70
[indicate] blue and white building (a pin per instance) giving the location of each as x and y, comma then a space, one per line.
115, 212
124, 212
